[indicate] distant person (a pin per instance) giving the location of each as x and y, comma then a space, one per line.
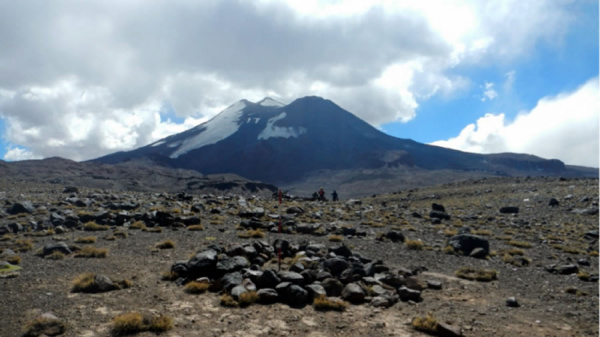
315, 196
322, 194
334, 196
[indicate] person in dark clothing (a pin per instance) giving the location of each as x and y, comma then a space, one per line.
315, 196
322, 194
334, 196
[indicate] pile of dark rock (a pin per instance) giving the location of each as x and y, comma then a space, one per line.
311, 270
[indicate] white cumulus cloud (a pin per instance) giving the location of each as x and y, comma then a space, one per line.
561, 127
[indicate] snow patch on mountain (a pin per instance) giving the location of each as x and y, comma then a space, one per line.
273, 131
218, 128
268, 101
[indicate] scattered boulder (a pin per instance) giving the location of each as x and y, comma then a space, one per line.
21, 207
467, 243
509, 210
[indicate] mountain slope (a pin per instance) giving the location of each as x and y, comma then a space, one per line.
284, 144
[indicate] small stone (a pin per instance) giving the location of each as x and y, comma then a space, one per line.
512, 302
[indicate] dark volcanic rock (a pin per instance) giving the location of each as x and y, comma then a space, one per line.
466, 243
20, 207
509, 210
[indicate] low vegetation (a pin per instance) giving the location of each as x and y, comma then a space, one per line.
426, 324
86, 239
324, 303
45, 326
195, 228
134, 322
248, 298
414, 244
482, 275
167, 244
193, 287
92, 252
94, 227
251, 233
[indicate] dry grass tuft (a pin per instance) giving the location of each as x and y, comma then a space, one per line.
7, 237
94, 227
167, 244
84, 283
520, 244
12, 259
323, 303
121, 233
153, 229
169, 276
134, 322
227, 301
92, 252
23, 245
426, 324
252, 233
86, 239
414, 244
44, 326
195, 287
138, 225
195, 228
482, 275
248, 298
56, 255
575, 291
335, 238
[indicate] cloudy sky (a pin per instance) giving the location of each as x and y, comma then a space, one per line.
80, 79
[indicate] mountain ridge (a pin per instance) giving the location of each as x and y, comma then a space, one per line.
286, 144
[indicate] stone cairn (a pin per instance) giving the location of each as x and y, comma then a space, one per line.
313, 270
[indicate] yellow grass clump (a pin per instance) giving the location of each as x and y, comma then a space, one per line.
86, 239
195, 287
252, 233
323, 303
335, 238
92, 252
414, 244
47, 326
426, 324
94, 227
483, 275
167, 244
134, 322
195, 228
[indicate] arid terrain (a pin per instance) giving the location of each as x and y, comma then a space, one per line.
543, 249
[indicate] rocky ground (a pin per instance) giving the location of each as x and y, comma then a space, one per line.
539, 235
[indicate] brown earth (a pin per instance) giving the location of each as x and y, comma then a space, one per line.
479, 308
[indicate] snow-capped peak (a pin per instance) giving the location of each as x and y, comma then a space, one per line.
218, 128
268, 101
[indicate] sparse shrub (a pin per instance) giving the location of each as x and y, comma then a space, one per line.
153, 229
195, 228
450, 232
86, 239
121, 233
252, 233
414, 244
134, 322
568, 249
210, 238
515, 251
519, 261
12, 259
7, 237
520, 244
335, 238
195, 287
94, 227
169, 276
227, 301
167, 244
23, 245
583, 276
448, 250
56, 255
483, 275
426, 324
323, 303
46, 326
48, 232
110, 238
248, 298
138, 225
594, 253
575, 291
84, 283
92, 252
483, 232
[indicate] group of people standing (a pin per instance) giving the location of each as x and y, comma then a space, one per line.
320, 195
